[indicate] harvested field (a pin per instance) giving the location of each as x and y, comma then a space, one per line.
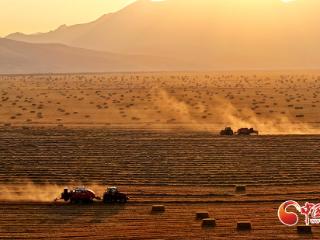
185, 171
160, 146
134, 221
153, 158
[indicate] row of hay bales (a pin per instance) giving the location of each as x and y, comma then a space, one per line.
205, 217
241, 189
209, 222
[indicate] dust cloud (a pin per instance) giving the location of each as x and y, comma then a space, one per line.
29, 192
32, 192
226, 114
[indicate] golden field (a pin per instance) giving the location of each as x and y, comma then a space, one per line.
155, 136
273, 102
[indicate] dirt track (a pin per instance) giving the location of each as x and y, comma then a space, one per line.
185, 171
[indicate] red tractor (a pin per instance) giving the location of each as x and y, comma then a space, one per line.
113, 195
78, 195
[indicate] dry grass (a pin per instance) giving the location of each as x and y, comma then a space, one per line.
164, 100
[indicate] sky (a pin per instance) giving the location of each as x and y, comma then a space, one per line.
30, 16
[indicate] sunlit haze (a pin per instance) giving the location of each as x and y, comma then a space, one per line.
218, 34
29, 16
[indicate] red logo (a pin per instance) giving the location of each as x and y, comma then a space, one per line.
310, 211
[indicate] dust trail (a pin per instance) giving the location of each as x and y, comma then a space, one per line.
174, 109
278, 124
31, 192
227, 114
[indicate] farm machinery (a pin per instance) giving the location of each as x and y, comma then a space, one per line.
113, 195
78, 195
247, 131
227, 132
85, 195
241, 131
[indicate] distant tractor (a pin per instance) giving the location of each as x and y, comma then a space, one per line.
112, 195
79, 195
247, 131
227, 132
242, 131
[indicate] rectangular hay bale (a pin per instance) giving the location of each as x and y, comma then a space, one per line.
244, 226
240, 189
302, 229
208, 222
158, 208
202, 215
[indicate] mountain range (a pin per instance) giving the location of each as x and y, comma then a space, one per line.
196, 35
20, 57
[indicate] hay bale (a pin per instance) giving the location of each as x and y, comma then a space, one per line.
302, 229
244, 226
202, 215
208, 222
158, 208
240, 189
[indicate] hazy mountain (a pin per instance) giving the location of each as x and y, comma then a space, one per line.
215, 34
21, 57
62, 34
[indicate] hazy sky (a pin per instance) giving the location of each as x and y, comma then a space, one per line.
29, 16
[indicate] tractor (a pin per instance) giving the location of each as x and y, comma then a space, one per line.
78, 195
112, 195
227, 132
